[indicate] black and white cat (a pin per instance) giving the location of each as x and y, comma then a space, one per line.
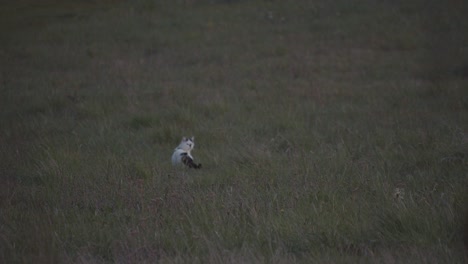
182, 154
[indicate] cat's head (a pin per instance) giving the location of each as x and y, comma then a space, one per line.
187, 144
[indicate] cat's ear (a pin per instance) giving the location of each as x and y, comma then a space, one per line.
184, 139
192, 138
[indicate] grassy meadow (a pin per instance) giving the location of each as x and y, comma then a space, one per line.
329, 131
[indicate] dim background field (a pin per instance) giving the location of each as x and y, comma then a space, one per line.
329, 131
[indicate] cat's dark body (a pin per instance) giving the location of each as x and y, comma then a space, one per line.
189, 161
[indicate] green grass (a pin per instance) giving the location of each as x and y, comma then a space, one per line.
308, 116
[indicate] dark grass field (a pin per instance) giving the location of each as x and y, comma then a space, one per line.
329, 131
